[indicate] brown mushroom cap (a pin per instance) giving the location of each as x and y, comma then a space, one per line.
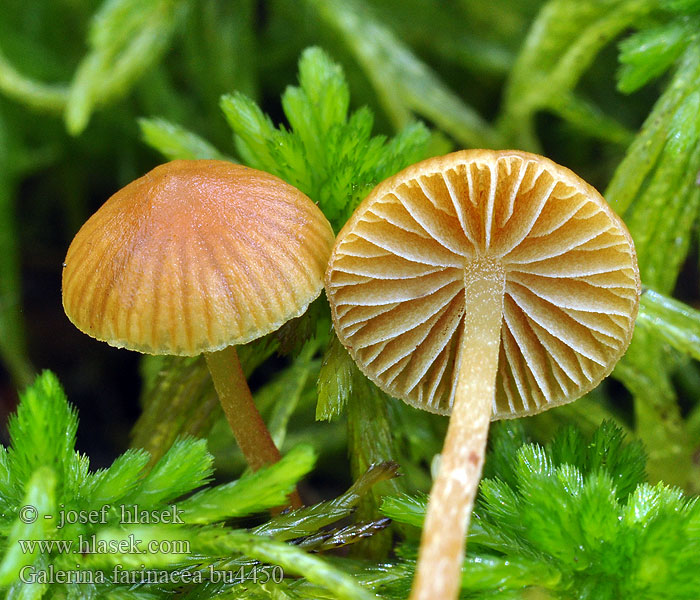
195, 256
395, 280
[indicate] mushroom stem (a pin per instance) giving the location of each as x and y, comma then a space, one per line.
443, 542
248, 427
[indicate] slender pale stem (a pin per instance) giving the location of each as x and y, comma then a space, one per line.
247, 425
443, 542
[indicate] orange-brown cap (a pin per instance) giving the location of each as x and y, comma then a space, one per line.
195, 256
395, 280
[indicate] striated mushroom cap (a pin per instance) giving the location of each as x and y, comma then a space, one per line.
395, 280
195, 256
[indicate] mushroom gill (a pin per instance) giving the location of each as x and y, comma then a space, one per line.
571, 284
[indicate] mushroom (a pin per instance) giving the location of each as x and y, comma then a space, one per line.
484, 285
198, 256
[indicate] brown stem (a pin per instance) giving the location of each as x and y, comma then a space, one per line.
247, 425
443, 542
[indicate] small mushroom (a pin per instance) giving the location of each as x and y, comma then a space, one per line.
198, 257
484, 285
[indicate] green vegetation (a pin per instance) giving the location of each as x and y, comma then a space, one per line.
573, 519
570, 507
79, 512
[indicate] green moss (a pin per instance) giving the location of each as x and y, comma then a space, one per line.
326, 94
